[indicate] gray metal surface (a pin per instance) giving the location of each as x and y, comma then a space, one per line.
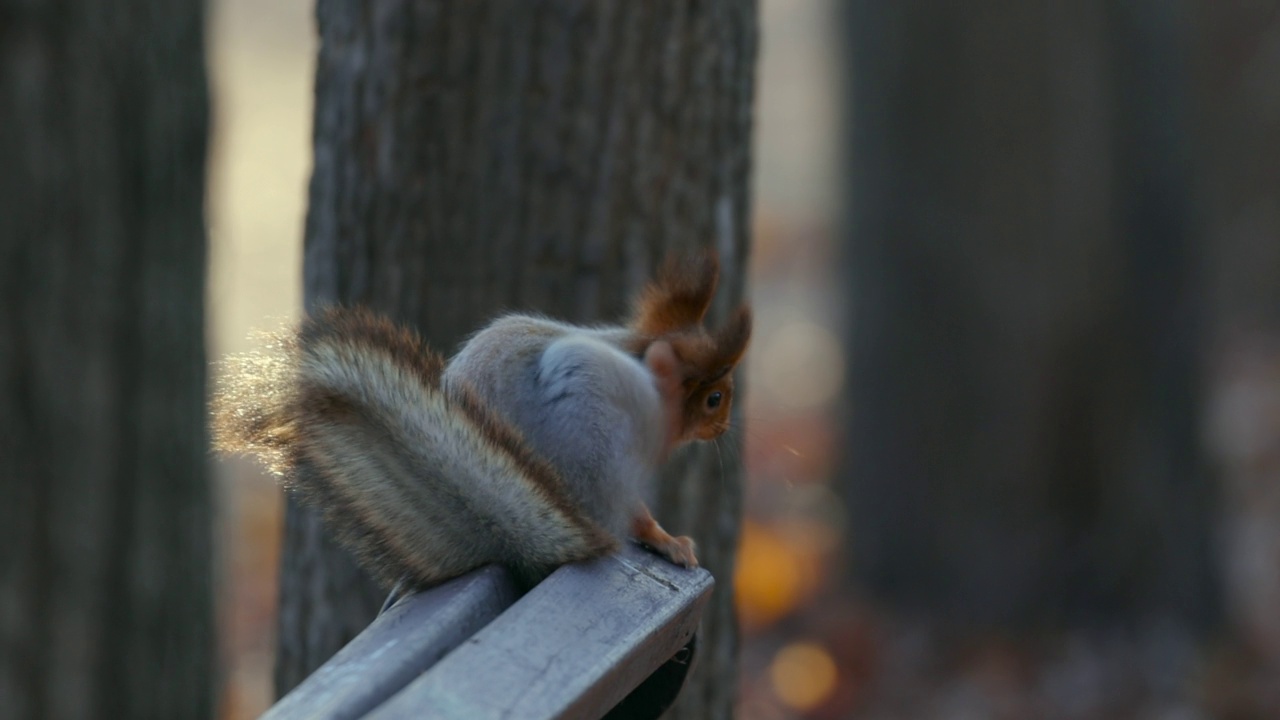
398, 646
571, 648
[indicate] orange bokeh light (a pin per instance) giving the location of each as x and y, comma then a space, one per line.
803, 675
776, 572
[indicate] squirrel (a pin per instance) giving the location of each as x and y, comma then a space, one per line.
532, 447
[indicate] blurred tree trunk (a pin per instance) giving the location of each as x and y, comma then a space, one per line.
105, 517
1240, 110
475, 157
1023, 448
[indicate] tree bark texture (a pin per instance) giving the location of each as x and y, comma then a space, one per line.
1023, 447
479, 157
105, 507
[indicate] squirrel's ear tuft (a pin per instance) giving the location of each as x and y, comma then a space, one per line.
731, 339
679, 297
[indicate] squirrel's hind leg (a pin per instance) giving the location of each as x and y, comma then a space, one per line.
679, 550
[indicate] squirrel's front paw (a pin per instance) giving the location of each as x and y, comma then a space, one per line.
679, 550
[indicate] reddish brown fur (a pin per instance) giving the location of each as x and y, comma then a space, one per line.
679, 297
679, 550
360, 326
709, 362
672, 308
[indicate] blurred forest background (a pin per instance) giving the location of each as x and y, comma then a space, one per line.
1035, 471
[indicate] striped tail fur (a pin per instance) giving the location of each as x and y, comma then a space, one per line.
420, 481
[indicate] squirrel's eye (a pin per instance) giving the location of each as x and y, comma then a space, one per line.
713, 400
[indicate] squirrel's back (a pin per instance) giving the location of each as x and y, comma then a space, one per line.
579, 399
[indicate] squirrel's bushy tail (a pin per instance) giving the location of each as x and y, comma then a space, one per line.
421, 481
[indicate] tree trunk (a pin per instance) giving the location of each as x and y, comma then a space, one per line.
105, 597
1239, 106
1023, 448
476, 157
1240, 111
